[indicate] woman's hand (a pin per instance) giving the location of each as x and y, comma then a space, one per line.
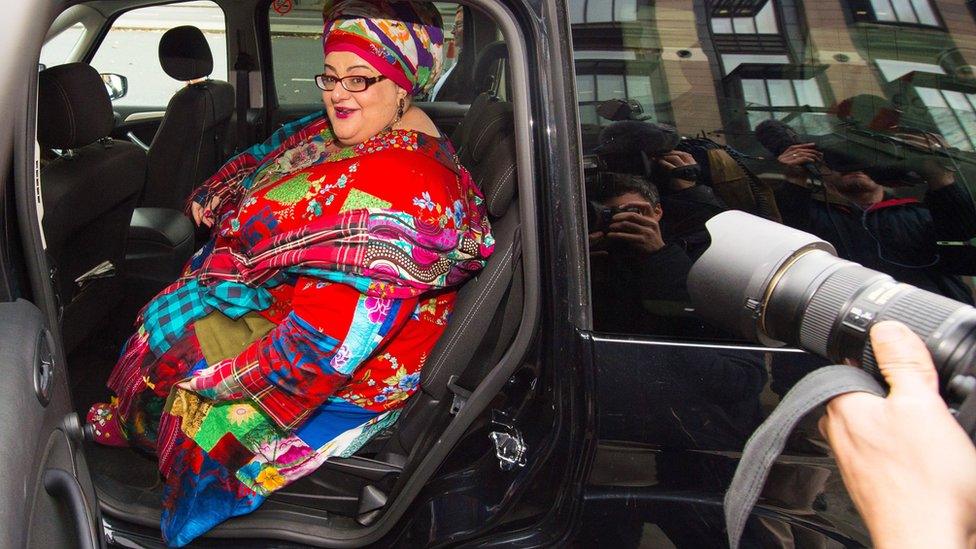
204, 215
909, 467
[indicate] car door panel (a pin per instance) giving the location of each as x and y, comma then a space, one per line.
49, 498
673, 419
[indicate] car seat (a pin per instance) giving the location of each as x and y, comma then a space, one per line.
89, 192
192, 141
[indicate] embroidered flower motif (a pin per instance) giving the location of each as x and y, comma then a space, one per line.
314, 209
341, 358
424, 201
270, 479
409, 382
457, 212
378, 308
239, 414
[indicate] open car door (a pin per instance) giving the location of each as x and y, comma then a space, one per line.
46, 495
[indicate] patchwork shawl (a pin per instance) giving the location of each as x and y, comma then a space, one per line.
264, 418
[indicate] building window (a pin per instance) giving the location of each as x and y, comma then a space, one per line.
598, 81
602, 11
916, 12
783, 99
954, 114
763, 22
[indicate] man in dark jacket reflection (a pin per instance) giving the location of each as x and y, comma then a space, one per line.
638, 278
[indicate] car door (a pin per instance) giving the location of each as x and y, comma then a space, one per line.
46, 495
675, 398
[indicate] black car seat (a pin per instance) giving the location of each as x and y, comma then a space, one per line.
483, 325
88, 191
192, 141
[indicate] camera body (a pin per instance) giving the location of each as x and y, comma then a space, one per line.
599, 217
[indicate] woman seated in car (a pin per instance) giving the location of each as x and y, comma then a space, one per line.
300, 329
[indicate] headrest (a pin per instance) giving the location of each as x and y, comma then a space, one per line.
73, 107
185, 54
486, 61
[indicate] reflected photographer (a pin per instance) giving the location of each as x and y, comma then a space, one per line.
635, 270
856, 211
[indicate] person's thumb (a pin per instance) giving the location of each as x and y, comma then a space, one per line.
904, 360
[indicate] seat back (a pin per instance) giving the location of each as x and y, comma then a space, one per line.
89, 193
193, 138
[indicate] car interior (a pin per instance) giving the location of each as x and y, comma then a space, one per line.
113, 197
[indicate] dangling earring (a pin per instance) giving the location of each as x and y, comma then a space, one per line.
399, 114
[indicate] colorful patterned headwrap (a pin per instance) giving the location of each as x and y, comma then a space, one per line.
404, 40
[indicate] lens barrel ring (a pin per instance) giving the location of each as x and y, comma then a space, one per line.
820, 317
923, 312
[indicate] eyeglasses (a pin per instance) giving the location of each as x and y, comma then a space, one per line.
350, 83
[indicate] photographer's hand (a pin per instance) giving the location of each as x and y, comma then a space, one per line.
908, 466
638, 230
795, 156
674, 160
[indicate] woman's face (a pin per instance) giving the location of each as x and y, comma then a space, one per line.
358, 116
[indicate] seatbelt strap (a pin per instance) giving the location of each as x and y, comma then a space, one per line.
768, 441
242, 69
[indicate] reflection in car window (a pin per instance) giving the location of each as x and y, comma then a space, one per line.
677, 103
296, 49
131, 49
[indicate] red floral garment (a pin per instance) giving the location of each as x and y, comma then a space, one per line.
396, 179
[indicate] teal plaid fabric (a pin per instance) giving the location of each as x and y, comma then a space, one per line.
167, 316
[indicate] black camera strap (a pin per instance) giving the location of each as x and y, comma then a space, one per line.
768, 441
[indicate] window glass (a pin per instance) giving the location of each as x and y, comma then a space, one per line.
131, 49
296, 49
763, 22
57, 50
917, 12
879, 86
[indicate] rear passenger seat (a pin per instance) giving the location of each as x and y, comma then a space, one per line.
484, 323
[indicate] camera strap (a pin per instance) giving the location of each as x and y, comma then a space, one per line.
768, 441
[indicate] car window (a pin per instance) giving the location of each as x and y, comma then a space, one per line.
131, 47
296, 49
670, 98
59, 48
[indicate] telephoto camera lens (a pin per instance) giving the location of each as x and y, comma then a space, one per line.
791, 289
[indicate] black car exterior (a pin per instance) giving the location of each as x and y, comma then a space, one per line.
630, 437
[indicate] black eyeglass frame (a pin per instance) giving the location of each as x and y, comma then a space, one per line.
322, 79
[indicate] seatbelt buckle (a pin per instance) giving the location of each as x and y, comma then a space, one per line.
461, 395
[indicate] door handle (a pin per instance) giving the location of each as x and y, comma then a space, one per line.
44, 366
61, 485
